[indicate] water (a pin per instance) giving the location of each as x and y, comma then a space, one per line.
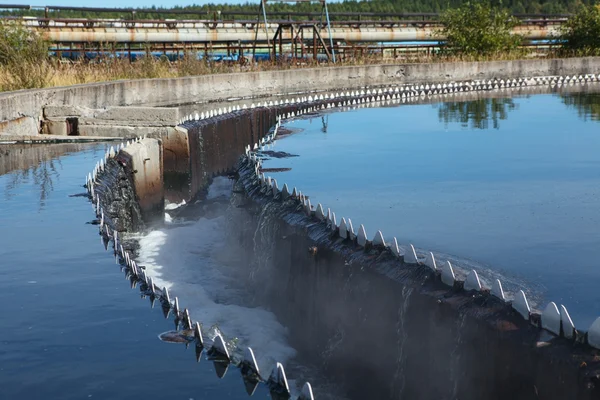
511, 185
71, 327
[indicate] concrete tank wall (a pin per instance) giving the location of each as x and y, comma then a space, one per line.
24, 108
386, 329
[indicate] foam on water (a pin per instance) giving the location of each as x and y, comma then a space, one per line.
195, 262
173, 206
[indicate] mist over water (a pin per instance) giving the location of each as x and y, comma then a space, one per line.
506, 186
198, 263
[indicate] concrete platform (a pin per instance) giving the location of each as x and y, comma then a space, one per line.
40, 139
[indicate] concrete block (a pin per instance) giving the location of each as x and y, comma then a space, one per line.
497, 290
430, 261
250, 361
521, 305
551, 318
448, 274
146, 114
19, 126
306, 393
144, 161
567, 323
472, 282
279, 379
361, 237
594, 334
219, 346
67, 111
121, 131
56, 126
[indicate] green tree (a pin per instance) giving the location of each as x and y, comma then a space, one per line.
23, 58
476, 29
581, 33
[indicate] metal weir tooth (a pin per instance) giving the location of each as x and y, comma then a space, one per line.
219, 346
320, 213
343, 231
521, 305
593, 335
186, 319
395, 248
198, 334
568, 327
250, 361
333, 222
497, 290
551, 318
472, 282
410, 257
361, 237
378, 239
306, 393
151, 285
430, 261
176, 307
165, 295
279, 379
448, 277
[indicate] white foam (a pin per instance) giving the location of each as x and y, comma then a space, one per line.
220, 187
173, 206
196, 264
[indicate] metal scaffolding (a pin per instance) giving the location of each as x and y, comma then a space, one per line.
297, 41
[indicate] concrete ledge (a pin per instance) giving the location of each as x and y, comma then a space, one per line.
140, 114
116, 131
160, 92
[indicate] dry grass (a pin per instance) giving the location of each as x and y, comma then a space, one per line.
51, 73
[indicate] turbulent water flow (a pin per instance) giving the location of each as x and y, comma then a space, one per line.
200, 260
397, 384
195, 261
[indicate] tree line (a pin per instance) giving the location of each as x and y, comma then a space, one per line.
346, 6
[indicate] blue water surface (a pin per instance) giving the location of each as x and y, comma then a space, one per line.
71, 327
509, 185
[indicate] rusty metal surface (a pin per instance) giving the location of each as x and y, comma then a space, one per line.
222, 33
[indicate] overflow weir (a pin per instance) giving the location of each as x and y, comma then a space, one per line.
381, 319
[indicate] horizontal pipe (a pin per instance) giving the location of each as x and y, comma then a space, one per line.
235, 34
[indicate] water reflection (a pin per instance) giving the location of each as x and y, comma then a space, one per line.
587, 104
39, 164
476, 114
43, 176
